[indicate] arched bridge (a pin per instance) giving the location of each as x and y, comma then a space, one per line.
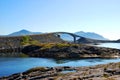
71, 34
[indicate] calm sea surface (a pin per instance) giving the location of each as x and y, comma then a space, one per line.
110, 45
14, 65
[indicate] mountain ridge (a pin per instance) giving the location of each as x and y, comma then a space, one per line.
23, 32
90, 35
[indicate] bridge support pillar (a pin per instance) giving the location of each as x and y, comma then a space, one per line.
74, 39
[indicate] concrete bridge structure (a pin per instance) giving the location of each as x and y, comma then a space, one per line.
71, 34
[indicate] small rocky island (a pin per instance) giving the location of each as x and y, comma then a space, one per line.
67, 50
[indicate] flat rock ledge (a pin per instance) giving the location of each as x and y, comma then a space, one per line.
73, 51
109, 71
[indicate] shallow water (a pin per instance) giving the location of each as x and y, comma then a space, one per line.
14, 65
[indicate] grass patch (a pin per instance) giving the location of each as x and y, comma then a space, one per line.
27, 40
23, 55
42, 69
105, 75
60, 45
56, 45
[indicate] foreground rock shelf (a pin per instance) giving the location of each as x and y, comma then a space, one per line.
109, 71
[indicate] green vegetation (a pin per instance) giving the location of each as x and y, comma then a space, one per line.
23, 55
60, 45
105, 75
57, 45
46, 45
42, 69
27, 40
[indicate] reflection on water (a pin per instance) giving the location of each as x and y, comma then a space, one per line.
61, 61
95, 60
91, 60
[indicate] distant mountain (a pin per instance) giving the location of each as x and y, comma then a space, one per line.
118, 40
90, 35
1, 35
23, 32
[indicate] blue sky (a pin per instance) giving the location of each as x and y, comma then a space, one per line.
99, 16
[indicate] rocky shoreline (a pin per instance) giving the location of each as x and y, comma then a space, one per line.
109, 71
70, 51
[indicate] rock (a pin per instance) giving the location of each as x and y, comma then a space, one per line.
80, 51
99, 72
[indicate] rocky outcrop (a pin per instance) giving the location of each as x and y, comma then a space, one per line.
71, 51
100, 72
118, 40
11, 44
